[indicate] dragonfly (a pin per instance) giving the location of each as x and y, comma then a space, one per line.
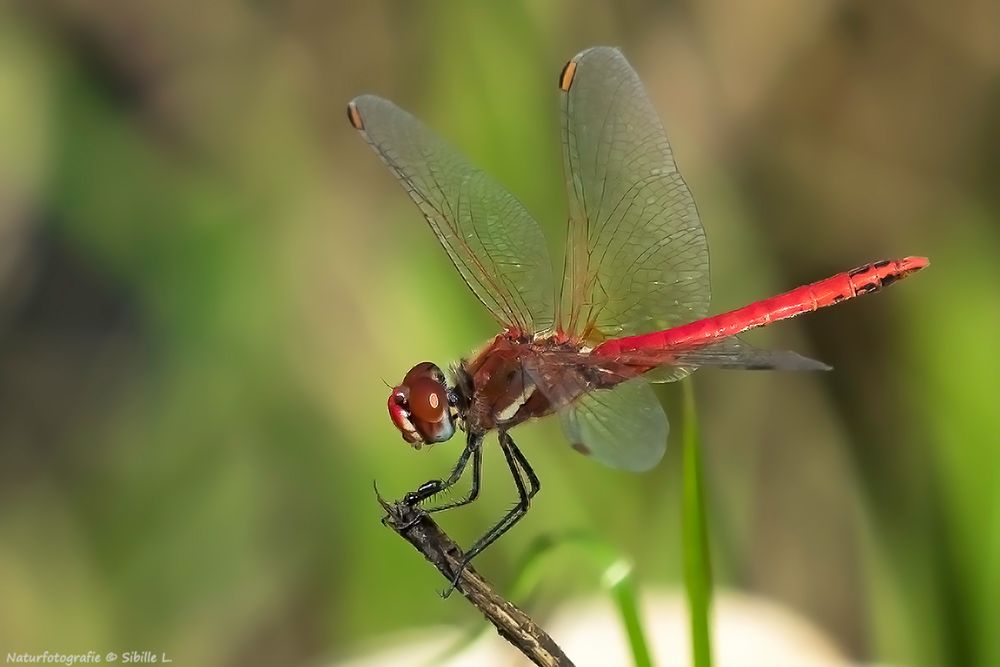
632, 306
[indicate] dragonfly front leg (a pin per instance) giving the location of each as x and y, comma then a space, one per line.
473, 449
477, 472
518, 464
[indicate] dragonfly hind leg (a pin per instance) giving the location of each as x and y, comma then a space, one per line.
518, 464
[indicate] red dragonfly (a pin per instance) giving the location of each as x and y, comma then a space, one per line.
634, 299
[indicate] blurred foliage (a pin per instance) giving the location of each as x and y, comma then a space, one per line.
205, 277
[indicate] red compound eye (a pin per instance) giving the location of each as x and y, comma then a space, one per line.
428, 400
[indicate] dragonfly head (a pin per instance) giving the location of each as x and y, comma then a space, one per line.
421, 407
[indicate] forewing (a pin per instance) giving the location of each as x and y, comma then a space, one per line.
491, 239
636, 255
623, 427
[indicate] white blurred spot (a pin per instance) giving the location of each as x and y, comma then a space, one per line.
748, 631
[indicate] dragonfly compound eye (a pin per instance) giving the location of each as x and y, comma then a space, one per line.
425, 369
428, 400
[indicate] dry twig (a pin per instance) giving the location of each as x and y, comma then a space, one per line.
417, 528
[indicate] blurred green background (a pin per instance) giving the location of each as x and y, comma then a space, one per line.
205, 277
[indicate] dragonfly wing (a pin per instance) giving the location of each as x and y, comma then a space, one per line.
734, 353
565, 375
495, 244
729, 353
623, 427
636, 257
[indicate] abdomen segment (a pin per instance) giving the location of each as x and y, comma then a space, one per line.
832, 290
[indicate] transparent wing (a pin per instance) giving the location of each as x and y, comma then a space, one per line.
609, 411
636, 256
491, 239
623, 427
729, 353
564, 375
734, 353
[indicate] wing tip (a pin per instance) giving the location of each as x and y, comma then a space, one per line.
354, 116
609, 50
365, 105
569, 69
567, 74
808, 364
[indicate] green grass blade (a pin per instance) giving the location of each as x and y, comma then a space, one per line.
697, 562
619, 581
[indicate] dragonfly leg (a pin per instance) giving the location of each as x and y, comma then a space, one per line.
477, 470
436, 486
518, 464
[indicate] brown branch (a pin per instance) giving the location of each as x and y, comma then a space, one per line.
417, 528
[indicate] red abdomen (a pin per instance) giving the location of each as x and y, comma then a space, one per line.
843, 286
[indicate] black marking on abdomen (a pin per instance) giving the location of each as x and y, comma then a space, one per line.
853, 273
869, 288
